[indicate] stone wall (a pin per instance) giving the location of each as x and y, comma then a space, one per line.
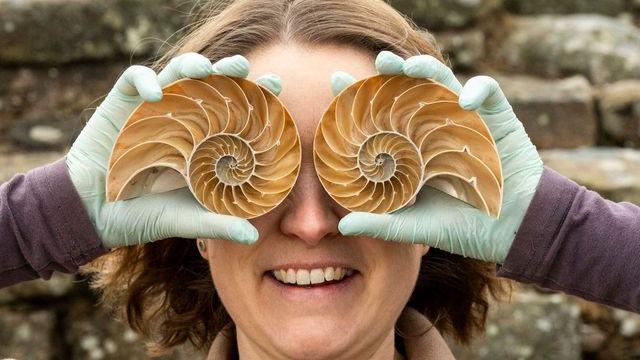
571, 69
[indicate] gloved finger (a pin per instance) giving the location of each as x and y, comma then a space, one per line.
340, 80
427, 66
208, 225
388, 63
177, 214
484, 94
188, 65
136, 80
483, 91
236, 66
368, 224
272, 82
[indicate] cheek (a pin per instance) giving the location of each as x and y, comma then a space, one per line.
395, 272
225, 263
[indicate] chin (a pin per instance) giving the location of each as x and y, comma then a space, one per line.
314, 338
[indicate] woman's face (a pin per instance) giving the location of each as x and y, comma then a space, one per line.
350, 318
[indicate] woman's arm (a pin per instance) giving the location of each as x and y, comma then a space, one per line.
551, 231
56, 217
43, 226
571, 239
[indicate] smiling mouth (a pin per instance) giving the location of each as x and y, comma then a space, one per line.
312, 277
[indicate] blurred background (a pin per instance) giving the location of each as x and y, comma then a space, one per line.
571, 69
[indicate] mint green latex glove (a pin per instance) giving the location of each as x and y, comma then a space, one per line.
153, 216
440, 220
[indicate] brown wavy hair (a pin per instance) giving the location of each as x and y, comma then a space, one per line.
164, 289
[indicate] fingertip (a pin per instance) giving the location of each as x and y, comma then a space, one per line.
235, 66
244, 232
149, 88
351, 223
467, 103
417, 66
474, 93
429, 67
340, 80
272, 82
195, 65
388, 63
154, 95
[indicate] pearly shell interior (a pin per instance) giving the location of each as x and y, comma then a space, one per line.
230, 140
384, 137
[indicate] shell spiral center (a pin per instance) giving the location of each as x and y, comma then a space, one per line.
383, 154
229, 157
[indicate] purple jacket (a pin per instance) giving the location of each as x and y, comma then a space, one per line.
571, 239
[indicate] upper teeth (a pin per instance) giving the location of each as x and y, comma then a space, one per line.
313, 276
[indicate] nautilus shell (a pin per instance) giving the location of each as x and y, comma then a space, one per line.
230, 140
384, 137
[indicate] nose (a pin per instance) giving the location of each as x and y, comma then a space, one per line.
312, 214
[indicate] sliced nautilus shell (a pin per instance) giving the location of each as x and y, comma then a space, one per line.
384, 137
230, 140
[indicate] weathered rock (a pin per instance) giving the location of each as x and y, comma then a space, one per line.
26, 335
93, 333
613, 172
620, 108
531, 326
58, 286
11, 164
592, 338
59, 31
629, 323
58, 96
44, 134
439, 14
555, 113
465, 49
528, 7
602, 48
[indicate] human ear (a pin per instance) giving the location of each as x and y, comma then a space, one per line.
202, 247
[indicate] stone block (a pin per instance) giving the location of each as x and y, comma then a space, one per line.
59, 285
60, 31
441, 14
92, 332
603, 49
613, 172
531, 7
465, 49
620, 109
555, 113
26, 334
58, 98
531, 326
11, 164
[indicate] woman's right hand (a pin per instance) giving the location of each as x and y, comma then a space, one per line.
153, 216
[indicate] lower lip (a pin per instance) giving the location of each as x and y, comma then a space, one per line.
305, 293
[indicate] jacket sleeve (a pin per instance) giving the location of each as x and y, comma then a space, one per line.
573, 240
44, 226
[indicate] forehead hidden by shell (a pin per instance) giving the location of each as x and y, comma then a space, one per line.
306, 77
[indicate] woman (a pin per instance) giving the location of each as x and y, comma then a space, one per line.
304, 42
174, 291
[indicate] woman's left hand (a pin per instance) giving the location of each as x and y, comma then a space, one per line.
440, 220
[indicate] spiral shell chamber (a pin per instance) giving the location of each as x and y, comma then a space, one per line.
230, 140
384, 137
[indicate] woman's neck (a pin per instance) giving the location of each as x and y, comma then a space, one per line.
248, 350
398, 356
